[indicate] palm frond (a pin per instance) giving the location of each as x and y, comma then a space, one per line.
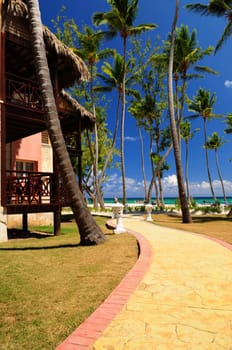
205, 69
225, 36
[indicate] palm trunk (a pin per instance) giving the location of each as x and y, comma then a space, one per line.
90, 233
220, 176
109, 154
186, 173
186, 217
123, 124
99, 199
207, 164
152, 171
143, 166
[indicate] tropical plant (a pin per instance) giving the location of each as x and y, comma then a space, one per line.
215, 142
119, 19
149, 107
112, 79
186, 217
202, 104
187, 54
218, 8
89, 231
89, 49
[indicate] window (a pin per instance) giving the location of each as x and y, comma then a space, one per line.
25, 166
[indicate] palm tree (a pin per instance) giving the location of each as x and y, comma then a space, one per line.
187, 54
136, 109
119, 19
202, 104
112, 80
187, 135
89, 50
186, 217
90, 233
215, 142
218, 8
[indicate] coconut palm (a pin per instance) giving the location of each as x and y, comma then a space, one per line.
90, 233
89, 49
187, 54
186, 217
218, 8
202, 104
215, 142
119, 19
112, 79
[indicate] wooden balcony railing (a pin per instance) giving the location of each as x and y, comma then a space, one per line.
24, 93
30, 188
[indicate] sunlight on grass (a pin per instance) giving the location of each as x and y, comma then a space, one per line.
219, 227
49, 285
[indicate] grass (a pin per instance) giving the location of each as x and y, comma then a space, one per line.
49, 285
219, 227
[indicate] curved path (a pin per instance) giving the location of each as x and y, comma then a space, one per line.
178, 296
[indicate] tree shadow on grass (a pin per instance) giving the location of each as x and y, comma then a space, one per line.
205, 219
15, 233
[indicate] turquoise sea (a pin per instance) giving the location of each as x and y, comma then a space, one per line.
170, 200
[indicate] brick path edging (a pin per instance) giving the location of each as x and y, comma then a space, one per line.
91, 329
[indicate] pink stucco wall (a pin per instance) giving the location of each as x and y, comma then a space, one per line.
27, 149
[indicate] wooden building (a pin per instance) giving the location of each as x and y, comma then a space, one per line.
25, 189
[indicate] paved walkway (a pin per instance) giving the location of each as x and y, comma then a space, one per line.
178, 296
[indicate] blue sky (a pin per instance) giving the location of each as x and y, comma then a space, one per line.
209, 30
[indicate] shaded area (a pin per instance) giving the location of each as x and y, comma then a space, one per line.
15, 233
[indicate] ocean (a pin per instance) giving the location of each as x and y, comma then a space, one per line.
170, 200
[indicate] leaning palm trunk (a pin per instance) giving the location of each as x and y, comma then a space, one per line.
186, 217
90, 233
207, 164
220, 175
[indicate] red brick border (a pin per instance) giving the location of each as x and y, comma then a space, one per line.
91, 329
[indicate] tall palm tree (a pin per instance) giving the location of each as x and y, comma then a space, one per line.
112, 79
89, 50
187, 54
215, 142
217, 8
186, 217
202, 104
120, 19
90, 233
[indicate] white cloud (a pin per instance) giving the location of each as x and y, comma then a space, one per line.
130, 138
228, 83
134, 187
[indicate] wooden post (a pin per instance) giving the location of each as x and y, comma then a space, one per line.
56, 194
79, 155
25, 222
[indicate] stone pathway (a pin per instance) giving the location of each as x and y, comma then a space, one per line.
178, 297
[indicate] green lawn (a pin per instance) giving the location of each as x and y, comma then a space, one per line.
49, 285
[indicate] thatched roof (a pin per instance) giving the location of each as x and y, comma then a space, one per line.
87, 118
71, 67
